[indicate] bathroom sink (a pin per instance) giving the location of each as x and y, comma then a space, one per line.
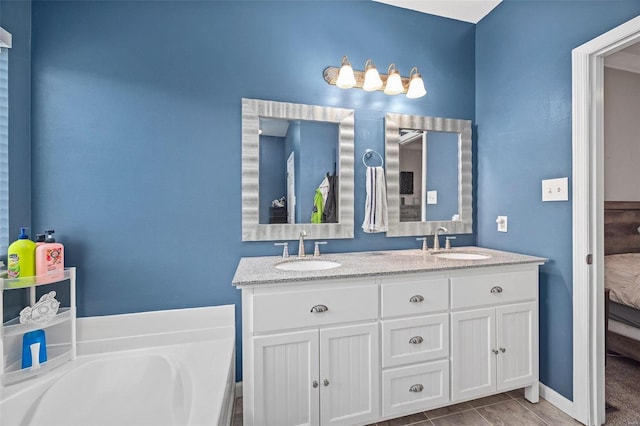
461, 256
307, 265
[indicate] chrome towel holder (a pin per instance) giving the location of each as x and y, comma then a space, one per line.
368, 153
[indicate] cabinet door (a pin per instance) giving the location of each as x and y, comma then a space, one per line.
473, 361
286, 366
517, 342
349, 375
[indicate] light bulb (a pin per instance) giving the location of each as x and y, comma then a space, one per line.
416, 85
346, 78
394, 82
372, 80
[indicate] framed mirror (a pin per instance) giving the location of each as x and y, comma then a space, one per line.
428, 175
297, 171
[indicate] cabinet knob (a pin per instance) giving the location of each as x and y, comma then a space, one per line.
496, 289
416, 340
416, 299
314, 383
318, 309
495, 351
503, 350
416, 388
325, 382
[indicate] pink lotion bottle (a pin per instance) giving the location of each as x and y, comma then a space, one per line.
50, 258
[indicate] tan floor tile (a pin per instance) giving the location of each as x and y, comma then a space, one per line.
516, 393
510, 413
404, 421
493, 399
549, 413
466, 418
445, 411
238, 405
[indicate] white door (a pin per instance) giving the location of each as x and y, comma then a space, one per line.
349, 375
286, 379
517, 343
291, 190
473, 360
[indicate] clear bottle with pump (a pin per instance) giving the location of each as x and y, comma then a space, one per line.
50, 258
21, 257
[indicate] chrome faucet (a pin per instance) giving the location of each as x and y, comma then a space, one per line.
316, 250
425, 247
301, 244
436, 237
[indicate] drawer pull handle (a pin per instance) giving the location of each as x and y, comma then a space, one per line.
496, 289
503, 350
326, 382
416, 299
416, 340
318, 309
416, 388
495, 351
314, 383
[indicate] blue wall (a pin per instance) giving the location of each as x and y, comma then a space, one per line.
523, 123
137, 128
273, 171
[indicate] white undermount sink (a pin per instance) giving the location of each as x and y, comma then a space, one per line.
461, 255
307, 265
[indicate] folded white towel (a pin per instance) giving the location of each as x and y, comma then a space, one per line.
375, 208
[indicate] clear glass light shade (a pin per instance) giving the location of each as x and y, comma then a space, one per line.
394, 83
346, 78
372, 80
416, 87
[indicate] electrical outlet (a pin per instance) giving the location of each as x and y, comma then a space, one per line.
502, 223
432, 197
555, 189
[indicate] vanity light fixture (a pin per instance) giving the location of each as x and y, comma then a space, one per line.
370, 80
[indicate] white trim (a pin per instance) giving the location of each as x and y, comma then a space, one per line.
5, 38
588, 201
556, 399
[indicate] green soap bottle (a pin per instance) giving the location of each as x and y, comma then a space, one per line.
21, 257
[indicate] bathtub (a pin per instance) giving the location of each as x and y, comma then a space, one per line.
183, 375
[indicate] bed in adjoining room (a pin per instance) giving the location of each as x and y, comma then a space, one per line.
622, 277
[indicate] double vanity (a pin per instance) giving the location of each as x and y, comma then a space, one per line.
356, 338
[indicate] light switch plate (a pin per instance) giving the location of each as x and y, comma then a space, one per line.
555, 189
432, 197
502, 223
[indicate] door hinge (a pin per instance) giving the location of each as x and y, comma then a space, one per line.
589, 259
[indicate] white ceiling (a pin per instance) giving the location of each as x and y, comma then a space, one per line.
463, 10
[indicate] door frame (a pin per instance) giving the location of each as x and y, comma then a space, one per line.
588, 218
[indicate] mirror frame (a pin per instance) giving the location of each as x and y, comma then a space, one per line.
392, 125
252, 229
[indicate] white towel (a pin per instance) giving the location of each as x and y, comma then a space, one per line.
375, 208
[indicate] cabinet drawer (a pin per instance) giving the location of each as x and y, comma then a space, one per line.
416, 388
492, 289
415, 339
414, 297
295, 309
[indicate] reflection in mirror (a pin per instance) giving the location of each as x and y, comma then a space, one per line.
297, 171
428, 174
297, 160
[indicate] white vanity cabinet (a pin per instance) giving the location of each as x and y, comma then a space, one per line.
355, 350
494, 348
326, 371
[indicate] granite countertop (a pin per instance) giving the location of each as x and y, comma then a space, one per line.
254, 271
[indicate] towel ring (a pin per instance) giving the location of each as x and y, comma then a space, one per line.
368, 153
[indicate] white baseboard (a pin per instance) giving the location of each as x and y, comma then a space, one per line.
238, 389
556, 399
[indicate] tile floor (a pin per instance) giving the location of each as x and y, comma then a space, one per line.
503, 409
